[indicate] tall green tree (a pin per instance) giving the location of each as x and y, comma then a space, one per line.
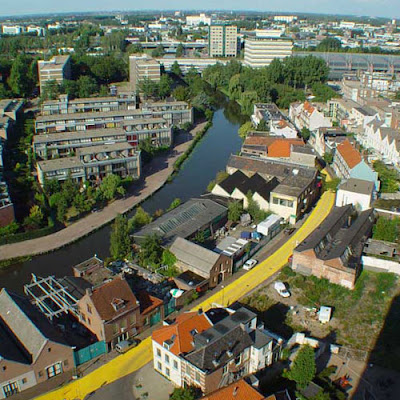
179, 50
87, 86
164, 86
303, 368
176, 69
120, 243
235, 210
20, 80
245, 129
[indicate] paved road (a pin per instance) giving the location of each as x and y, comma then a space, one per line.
141, 355
156, 175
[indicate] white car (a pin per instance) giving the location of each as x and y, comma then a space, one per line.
249, 264
280, 287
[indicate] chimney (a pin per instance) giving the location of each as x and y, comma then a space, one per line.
200, 311
235, 391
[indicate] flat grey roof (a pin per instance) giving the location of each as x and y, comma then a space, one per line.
59, 163
104, 148
357, 186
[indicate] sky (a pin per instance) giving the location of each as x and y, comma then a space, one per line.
383, 8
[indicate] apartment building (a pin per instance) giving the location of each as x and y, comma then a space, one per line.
176, 113
307, 115
192, 350
31, 349
64, 105
222, 41
10, 110
93, 164
195, 20
325, 140
382, 82
333, 250
134, 122
6, 205
357, 192
141, 68
56, 69
285, 18
260, 52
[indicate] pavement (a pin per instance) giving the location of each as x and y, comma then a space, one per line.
138, 357
155, 176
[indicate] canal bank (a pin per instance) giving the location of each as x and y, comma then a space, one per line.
208, 157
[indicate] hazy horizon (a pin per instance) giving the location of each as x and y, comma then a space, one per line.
342, 7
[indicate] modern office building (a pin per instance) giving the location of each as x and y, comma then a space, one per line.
64, 105
260, 52
57, 69
93, 164
222, 41
141, 68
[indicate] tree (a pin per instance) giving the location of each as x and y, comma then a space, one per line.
120, 243
151, 251
181, 93
175, 203
262, 126
185, 393
305, 133
164, 86
254, 209
176, 69
86, 86
51, 90
386, 229
328, 157
20, 81
158, 51
329, 44
303, 368
245, 129
179, 50
141, 218
168, 258
247, 99
110, 186
235, 210
148, 88
35, 218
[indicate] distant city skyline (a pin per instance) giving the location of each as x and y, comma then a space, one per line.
383, 8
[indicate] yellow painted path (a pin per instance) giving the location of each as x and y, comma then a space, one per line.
136, 358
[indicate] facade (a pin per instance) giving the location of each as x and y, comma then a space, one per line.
306, 115
215, 356
209, 265
333, 250
298, 184
6, 205
56, 69
222, 41
63, 105
324, 140
186, 64
357, 192
141, 68
260, 52
31, 349
195, 20
9, 113
348, 163
93, 164
176, 113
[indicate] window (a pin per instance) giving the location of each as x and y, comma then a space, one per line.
225, 369
89, 321
89, 309
275, 200
40, 374
53, 370
49, 349
10, 389
159, 366
166, 358
197, 377
175, 364
238, 360
188, 370
132, 319
66, 363
158, 353
167, 372
115, 328
124, 324
24, 380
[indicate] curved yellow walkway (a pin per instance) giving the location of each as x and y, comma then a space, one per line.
141, 355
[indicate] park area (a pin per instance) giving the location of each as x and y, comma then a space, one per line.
365, 319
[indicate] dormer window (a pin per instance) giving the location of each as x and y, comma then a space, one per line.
118, 304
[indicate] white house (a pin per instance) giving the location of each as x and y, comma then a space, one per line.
306, 115
358, 192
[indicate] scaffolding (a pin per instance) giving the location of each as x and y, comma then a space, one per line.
51, 296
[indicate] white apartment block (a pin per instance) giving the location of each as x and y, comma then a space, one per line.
12, 29
57, 69
285, 18
305, 115
195, 20
222, 41
143, 67
260, 52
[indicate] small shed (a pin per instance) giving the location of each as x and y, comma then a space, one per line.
324, 314
270, 225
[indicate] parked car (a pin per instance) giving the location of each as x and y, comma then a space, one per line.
289, 231
249, 264
125, 345
280, 287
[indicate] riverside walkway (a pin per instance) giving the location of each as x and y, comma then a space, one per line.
155, 176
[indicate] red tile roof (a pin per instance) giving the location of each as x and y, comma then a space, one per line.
182, 328
111, 292
281, 147
259, 140
239, 390
147, 302
350, 155
308, 107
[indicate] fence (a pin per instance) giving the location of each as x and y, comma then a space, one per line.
380, 265
88, 353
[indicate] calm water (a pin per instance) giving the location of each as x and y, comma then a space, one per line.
209, 157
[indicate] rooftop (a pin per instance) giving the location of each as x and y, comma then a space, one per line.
60, 164
239, 390
349, 154
358, 186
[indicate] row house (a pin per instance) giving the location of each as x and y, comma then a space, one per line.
93, 164
64, 105
176, 113
324, 140
298, 185
31, 349
65, 144
333, 250
132, 121
192, 350
382, 140
348, 163
307, 115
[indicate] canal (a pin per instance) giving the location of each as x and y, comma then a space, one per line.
209, 156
